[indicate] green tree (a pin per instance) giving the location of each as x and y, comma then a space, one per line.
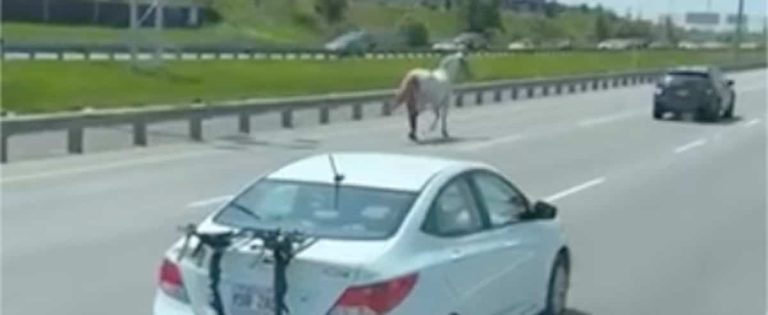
331, 10
602, 27
415, 32
481, 15
670, 33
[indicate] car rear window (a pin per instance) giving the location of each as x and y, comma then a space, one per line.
681, 76
319, 210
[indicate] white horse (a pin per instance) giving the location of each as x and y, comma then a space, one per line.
422, 87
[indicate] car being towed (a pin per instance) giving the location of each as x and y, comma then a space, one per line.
389, 234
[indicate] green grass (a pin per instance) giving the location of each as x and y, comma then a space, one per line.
48, 86
294, 22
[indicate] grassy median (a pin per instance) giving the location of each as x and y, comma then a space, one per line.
48, 86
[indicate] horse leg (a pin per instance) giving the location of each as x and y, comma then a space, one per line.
444, 116
436, 111
413, 115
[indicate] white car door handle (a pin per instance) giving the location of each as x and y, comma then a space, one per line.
456, 255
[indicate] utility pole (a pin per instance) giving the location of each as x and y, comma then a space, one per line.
159, 29
133, 31
739, 28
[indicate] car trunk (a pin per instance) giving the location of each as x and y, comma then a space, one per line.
687, 89
316, 277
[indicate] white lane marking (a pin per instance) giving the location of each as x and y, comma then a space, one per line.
575, 189
489, 143
690, 145
87, 169
209, 202
752, 122
606, 119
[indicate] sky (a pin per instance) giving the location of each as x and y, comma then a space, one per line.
651, 9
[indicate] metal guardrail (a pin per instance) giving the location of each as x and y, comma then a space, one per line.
116, 52
76, 124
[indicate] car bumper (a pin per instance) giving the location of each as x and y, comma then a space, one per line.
681, 105
165, 305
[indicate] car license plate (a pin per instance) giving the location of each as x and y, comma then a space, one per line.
252, 300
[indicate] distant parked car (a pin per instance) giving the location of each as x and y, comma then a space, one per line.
703, 91
352, 43
714, 45
749, 45
660, 45
470, 41
521, 45
613, 44
688, 45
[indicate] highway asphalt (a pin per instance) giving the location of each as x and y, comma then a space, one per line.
664, 217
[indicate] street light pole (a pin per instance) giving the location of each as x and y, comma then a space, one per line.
134, 21
739, 27
159, 29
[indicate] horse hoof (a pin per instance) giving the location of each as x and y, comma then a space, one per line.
445, 135
412, 136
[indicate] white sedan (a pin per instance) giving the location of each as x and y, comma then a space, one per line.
382, 234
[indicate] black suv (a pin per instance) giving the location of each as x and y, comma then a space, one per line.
703, 91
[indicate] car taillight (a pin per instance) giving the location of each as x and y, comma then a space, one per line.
374, 299
171, 282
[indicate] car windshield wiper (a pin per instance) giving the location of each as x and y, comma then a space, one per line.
245, 210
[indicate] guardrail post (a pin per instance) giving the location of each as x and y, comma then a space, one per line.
386, 108
324, 115
140, 134
571, 88
531, 91
3, 148
196, 128
244, 123
513, 93
545, 90
595, 85
605, 84
287, 118
497, 95
479, 97
459, 99
558, 89
615, 82
357, 111
75, 140
59, 55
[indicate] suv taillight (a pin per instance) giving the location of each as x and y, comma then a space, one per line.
171, 282
374, 299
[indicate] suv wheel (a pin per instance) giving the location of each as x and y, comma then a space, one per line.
657, 113
729, 112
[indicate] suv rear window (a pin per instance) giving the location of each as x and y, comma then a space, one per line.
319, 210
680, 76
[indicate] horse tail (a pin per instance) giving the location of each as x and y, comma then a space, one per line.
407, 91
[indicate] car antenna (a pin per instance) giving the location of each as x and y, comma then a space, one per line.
337, 179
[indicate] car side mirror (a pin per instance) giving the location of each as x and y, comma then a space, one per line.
543, 211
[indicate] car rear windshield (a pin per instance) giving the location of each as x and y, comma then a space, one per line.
319, 210
686, 76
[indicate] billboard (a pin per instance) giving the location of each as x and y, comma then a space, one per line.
702, 18
734, 18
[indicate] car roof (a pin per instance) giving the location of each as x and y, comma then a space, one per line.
691, 69
371, 169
